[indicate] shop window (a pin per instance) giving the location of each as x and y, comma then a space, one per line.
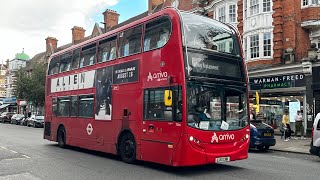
130, 41
254, 46
254, 7
65, 62
107, 49
54, 65
232, 13
88, 55
266, 5
267, 44
63, 106
86, 106
157, 33
222, 14
76, 59
74, 106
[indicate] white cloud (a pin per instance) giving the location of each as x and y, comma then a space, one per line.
27, 23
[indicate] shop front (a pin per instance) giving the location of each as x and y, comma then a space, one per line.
9, 104
280, 89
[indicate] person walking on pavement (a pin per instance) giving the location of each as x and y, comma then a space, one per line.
299, 125
286, 124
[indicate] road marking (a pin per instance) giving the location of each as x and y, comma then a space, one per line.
26, 156
280, 157
3, 147
14, 151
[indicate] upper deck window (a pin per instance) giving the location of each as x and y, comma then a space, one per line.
54, 65
157, 33
107, 49
88, 55
76, 59
130, 41
65, 63
204, 33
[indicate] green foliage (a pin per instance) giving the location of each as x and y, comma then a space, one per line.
31, 87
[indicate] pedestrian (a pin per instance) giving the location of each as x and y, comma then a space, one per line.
299, 125
286, 124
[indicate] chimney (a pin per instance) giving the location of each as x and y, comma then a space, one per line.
111, 18
77, 34
51, 44
153, 4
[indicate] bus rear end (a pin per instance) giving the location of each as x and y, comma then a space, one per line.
216, 109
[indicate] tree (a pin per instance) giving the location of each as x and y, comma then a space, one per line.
31, 87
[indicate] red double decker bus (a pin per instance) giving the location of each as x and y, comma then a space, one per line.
170, 88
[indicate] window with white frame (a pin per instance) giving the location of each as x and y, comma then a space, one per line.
266, 5
305, 2
267, 44
232, 13
254, 7
254, 46
245, 8
315, 2
222, 14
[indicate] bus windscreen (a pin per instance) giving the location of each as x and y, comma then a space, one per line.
204, 33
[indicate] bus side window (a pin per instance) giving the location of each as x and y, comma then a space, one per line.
157, 33
54, 106
54, 65
65, 62
107, 49
75, 59
154, 108
86, 106
63, 106
130, 41
74, 106
88, 55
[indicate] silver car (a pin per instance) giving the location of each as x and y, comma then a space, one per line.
315, 142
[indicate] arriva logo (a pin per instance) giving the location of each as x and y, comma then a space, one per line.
221, 137
159, 76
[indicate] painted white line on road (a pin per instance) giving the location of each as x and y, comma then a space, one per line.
14, 151
26, 156
279, 157
3, 147
15, 159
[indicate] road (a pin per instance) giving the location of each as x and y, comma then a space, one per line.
25, 155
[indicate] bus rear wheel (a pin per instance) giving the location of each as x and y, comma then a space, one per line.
62, 137
127, 148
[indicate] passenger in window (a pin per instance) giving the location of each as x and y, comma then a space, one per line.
164, 37
112, 53
201, 113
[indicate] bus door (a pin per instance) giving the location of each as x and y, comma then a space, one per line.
161, 127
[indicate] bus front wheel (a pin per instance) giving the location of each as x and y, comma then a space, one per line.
62, 137
128, 148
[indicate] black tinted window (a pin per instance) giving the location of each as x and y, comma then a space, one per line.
107, 49
157, 33
74, 106
65, 62
130, 41
88, 55
63, 106
54, 65
86, 106
54, 106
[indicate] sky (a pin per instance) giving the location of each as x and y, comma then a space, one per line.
27, 23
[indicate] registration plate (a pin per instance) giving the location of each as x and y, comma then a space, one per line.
222, 159
267, 134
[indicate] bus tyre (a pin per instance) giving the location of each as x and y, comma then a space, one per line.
127, 148
62, 137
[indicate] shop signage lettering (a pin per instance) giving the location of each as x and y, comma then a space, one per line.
273, 82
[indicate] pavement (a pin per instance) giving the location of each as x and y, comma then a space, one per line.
294, 146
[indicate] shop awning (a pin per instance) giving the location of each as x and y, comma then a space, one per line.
4, 105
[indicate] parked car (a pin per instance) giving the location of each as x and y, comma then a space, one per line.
6, 116
36, 121
16, 118
261, 135
24, 121
315, 141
